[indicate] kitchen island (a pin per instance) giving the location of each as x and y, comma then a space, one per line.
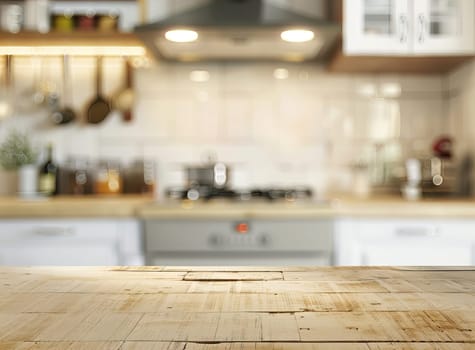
237, 308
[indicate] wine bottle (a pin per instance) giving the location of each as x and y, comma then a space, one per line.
48, 174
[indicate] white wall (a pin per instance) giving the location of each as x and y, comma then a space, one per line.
307, 129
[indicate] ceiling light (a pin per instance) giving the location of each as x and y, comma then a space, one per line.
181, 35
297, 35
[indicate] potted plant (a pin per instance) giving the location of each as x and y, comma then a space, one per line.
18, 156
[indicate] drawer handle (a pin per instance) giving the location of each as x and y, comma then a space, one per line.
54, 231
416, 232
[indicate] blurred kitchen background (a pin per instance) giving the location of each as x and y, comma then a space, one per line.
357, 153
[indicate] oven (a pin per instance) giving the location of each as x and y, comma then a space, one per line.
239, 242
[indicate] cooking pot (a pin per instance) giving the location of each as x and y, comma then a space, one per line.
214, 175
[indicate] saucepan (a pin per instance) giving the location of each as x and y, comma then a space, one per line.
212, 174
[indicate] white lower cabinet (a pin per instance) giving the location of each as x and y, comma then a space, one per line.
70, 242
405, 242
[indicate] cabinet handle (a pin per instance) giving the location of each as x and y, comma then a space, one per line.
403, 28
416, 232
54, 231
422, 25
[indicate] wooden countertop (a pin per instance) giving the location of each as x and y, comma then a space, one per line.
398, 207
72, 207
145, 207
226, 209
237, 308
337, 207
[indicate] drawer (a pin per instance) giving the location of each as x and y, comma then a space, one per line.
407, 229
59, 242
71, 231
405, 242
59, 254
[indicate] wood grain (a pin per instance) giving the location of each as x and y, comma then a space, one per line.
60, 346
205, 308
69, 39
72, 206
341, 63
233, 276
126, 206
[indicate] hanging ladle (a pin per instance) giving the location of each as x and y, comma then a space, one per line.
66, 114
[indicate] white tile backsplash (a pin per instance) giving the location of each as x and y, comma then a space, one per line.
307, 129
460, 86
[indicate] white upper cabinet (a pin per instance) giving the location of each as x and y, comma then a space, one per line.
443, 26
376, 26
408, 27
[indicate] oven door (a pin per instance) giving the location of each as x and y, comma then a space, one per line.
239, 242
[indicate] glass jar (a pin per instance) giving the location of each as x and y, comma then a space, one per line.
108, 178
139, 177
87, 21
81, 179
108, 22
11, 17
75, 177
63, 22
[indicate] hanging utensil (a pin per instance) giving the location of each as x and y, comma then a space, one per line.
39, 96
124, 100
48, 88
30, 100
99, 108
65, 115
5, 94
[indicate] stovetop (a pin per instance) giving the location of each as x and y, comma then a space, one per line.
268, 194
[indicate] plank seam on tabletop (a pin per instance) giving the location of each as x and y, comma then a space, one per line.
133, 328
123, 342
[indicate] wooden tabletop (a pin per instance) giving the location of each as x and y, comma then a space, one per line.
217, 308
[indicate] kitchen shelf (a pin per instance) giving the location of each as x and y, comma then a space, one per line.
9, 1
341, 63
76, 43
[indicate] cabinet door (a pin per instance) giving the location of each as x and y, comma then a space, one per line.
376, 27
443, 27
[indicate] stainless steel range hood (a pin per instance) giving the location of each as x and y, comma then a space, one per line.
238, 30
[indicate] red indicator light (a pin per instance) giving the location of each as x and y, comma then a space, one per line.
242, 228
